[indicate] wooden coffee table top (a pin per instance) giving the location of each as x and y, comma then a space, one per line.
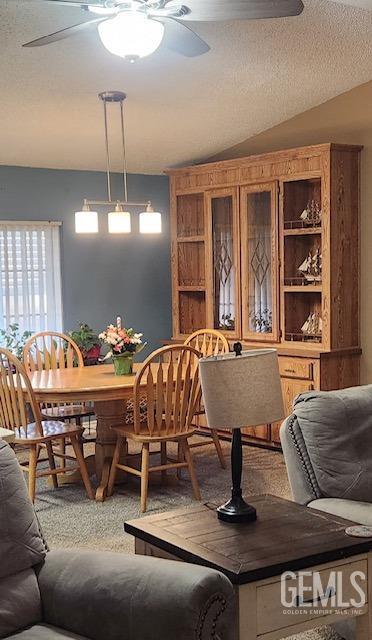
286, 536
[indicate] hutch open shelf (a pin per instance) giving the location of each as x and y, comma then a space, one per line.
266, 249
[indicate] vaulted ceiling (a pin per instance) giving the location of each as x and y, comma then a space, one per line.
179, 110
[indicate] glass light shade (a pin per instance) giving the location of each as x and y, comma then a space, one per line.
150, 222
119, 222
101, 11
86, 222
131, 35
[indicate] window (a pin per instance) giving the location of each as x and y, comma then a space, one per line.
30, 276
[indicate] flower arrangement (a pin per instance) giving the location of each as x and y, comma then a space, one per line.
123, 343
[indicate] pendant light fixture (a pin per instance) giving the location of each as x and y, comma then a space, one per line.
86, 221
150, 220
119, 219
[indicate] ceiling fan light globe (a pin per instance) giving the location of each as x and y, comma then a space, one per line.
131, 35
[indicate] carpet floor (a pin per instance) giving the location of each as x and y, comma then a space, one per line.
70, 520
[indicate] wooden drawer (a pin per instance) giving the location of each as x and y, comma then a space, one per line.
301, 368
271, 614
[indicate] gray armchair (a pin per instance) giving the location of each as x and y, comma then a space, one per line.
55, 595
327, 445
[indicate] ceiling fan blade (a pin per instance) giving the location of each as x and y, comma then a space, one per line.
63, 33
109, 5
74, 3
220, 10
180, 38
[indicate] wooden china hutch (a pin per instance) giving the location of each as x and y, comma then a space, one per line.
266, 249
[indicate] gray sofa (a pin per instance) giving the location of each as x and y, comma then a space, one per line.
327, 445
55, 595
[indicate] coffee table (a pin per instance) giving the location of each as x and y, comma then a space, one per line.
286, 537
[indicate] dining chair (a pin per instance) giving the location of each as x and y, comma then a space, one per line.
169, 380
53, 350
209, 342
20, 412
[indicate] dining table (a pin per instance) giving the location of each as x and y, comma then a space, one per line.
107, 391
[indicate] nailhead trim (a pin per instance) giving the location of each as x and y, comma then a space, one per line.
310, 477
223, 604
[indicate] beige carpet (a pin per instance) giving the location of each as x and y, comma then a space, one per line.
69, 519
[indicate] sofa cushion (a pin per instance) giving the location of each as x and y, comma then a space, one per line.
20, 603
337, 431
45, 632
360, 512
21, 543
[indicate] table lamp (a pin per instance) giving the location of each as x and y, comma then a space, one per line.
240, 389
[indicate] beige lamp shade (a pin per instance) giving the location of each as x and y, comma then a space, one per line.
241, 391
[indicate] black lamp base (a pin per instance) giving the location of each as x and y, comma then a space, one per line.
236, 510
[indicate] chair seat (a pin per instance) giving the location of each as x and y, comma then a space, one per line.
68, 411
52, 429
127, 432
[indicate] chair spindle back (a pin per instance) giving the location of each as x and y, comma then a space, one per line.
169, 379
209, 342
51, 350
16, 395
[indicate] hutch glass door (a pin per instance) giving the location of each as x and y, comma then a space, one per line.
259, 255
222, 206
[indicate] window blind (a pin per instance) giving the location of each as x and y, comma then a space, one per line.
30, 276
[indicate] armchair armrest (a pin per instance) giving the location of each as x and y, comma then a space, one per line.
109, 596
299, 468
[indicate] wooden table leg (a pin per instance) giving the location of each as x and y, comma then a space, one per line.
110, 413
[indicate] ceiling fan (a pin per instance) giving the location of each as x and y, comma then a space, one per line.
133, 29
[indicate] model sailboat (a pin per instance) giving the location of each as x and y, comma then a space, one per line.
312, 214
311, 267
312, 325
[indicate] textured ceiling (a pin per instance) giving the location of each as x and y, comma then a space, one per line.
179, 110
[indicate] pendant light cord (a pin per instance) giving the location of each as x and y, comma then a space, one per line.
125, 179
107, 152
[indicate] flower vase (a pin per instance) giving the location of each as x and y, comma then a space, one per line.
123, 364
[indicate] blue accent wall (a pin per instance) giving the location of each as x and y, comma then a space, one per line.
103, 275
